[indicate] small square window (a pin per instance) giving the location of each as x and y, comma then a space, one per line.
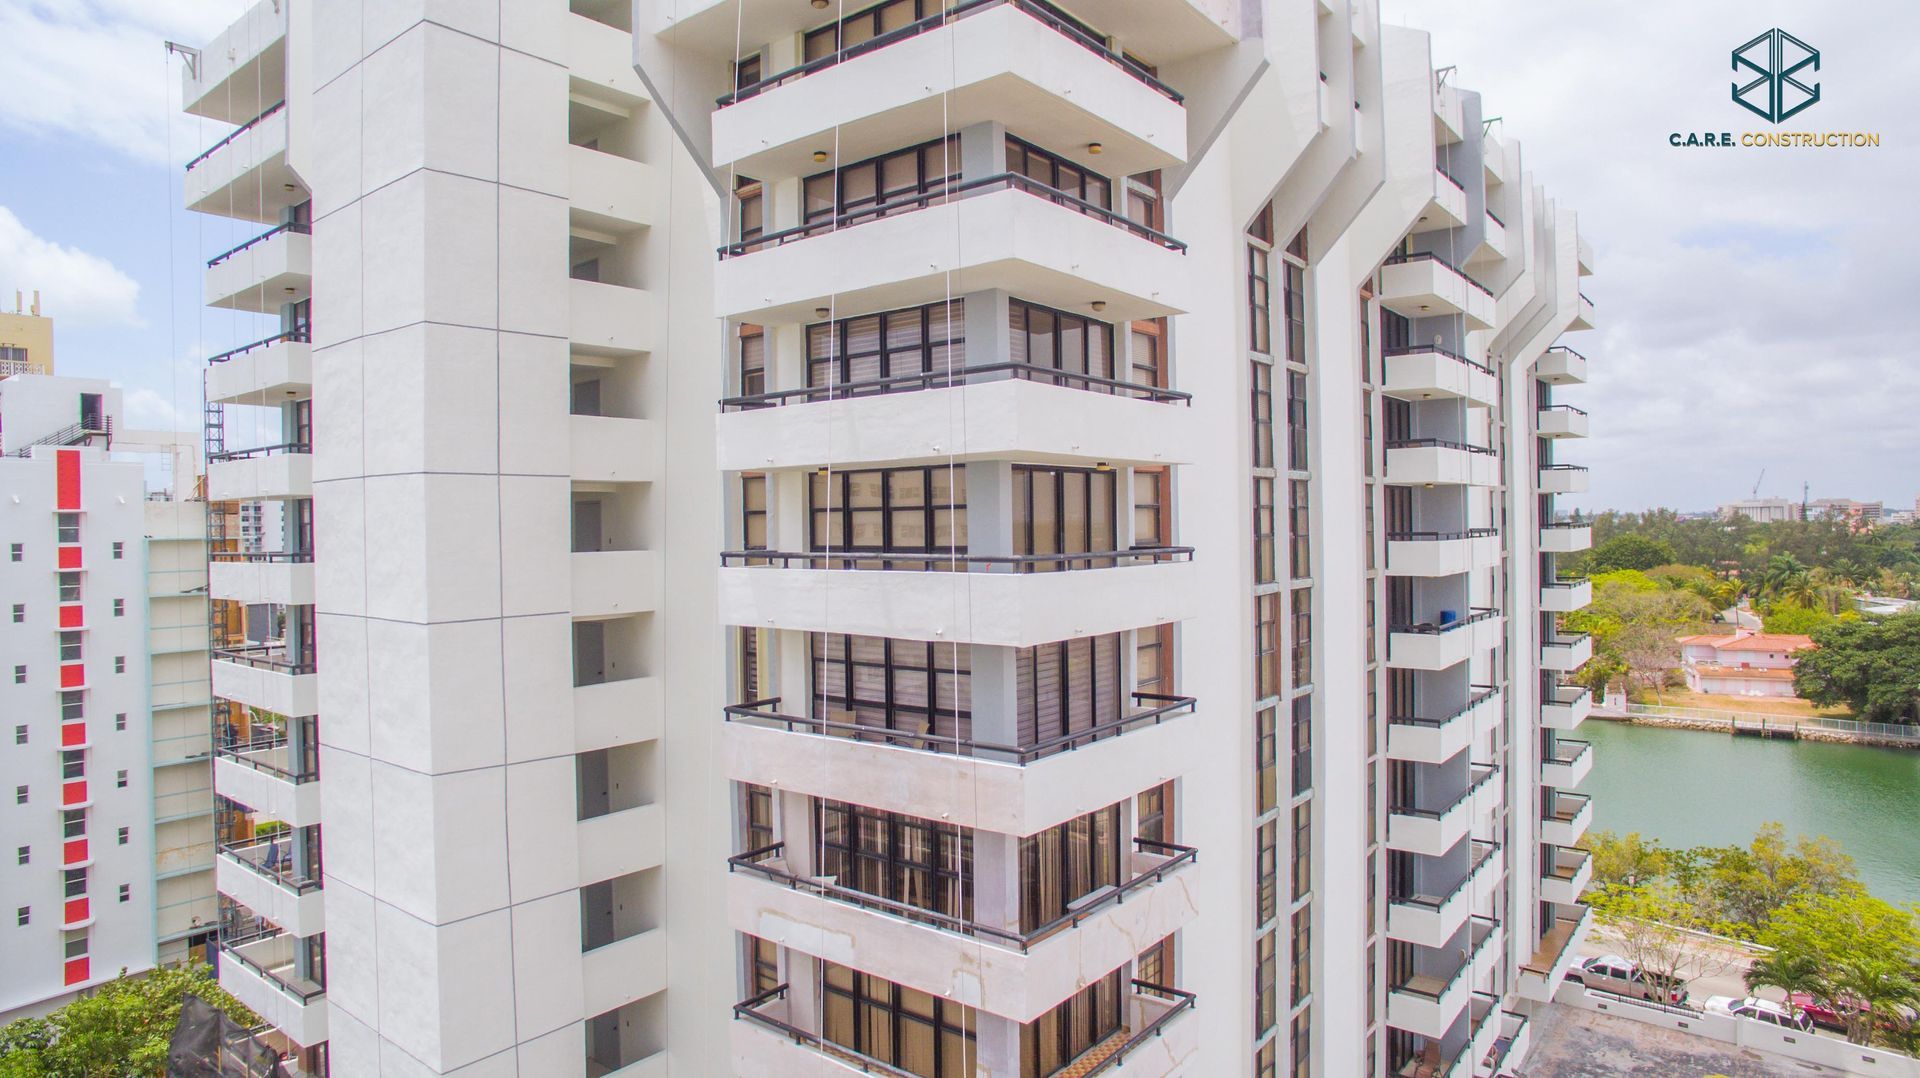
119, 549
119, 664
19, 735
120, 779
19, 553
120, 721
73, 705
19, 795
67, 527
19, 613
26, 854
119, 608
124, 833
24, 914
19, 675
126, 892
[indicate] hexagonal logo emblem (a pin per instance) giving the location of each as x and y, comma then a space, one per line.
1775, 62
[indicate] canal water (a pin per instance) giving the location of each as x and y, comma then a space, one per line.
1691, 788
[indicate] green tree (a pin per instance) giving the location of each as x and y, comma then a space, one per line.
1742, 887
1625, 859
1629, 551
120, 1028
1870, 664
1864, 955
1791, 618
1657, 928
1783, 574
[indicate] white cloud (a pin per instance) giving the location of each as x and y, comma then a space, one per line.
75, 286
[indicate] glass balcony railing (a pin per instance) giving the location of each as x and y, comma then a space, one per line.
1155, 708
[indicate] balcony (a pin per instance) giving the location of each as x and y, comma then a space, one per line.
1565, 537
1566, 820
769, 1036
1561, 366
607, 193
266, 473
1540, 975
260, 875
978, 61
266, 372
266, 778
1567, 653
1430, 461
1567, 708
260, 973
246, 175
999, 411
611, 320
1493, 240
1008, 601
621, 842
600, 64
1515, 1041
1427, 1003
1560, 421
286, 579
1566, 596
1569, 766
1014, 790
1447, 208
609, 449
1434, 830
1424, 285
613, 713
235, 69
273, 268
1439, 645
615, 974
1449, 116
614, 583
1582, 313
1585, 256
1424, 372
1433, 554
1437, 740
1430, 920
1021, 237
264, 676
1014, 974
1564, 877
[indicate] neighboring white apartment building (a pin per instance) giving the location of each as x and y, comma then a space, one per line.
1017, 539
77, 886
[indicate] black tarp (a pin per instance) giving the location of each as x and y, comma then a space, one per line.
208, 1044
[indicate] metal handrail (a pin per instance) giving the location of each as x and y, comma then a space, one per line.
1440, 537
1584, 800
1569, 351
298, 228
755, 861
1440, 443
1585, 299
292, 557
1486, 773
1416, 349
1483, 851
1183, 1001
1001, 181
1575, 921
1487, 925
1566, 582
1563, 467
262, 451
1474, 614
237, 752
943, 379
750, 1010
1415, 720
1018, 755
1585, 747
953, 563
1567, 640
1562, 408
297, 336
231, 948
71, 434
1579, 857
932, 22
1574, 523
298, 884
234, 134
1429, 256
1448, 176
1496, 219
256, 656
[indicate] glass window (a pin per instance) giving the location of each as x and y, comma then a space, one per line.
1148, 353
911, 686
1153, 661
897, 182
1296, 312
1059, 341
1296, 421
67, 528
753, 361
69, 587
756, 816
1266, 645
1302, 850
1063, 864
1055, 1039
1266, 967
1265, 761
753, 511
1302, 643
1262, 414
1264, 522
1153, 821
1068, 687
1151, 506
916, 1032
1041, 166
70, 647
1259, 299
1302, 745
927, 340
920, 863
1266, 872
1063, 511
901, 510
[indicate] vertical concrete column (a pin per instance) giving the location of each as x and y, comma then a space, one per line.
787, 521
997, 1046
786, 357
989, 336
983, 150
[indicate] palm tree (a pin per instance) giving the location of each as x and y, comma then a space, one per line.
1782, 572
1790, 972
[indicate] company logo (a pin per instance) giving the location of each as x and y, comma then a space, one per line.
1777, 58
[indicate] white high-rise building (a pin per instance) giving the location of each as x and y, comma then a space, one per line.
997, 537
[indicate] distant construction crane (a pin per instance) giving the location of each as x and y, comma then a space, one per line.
1756, 484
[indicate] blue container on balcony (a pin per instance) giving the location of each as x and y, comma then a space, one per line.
1448, 617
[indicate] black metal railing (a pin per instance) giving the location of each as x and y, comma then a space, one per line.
1448, 176
1482, 856
1417, 349
297, 336
271, 856
1576, 522
937, 561
1162, 707
954, 376
236, 133
1495, 218
1440, 537
71, 434
262, 451
1565, 640
281, 557
1416, 720
1480, 930
1571, 812
265, 657
1429, 256
1486, 772
230, 948
1567, 351
1004, 181
1440, 443
1475, 614
749, 1009
1045, 13
755, 861
1583, 748
298, 228
1563, 467
1562, 408
1584, 299
1569, 582
1182, 1001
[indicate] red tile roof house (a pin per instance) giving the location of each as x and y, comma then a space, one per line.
1744, 664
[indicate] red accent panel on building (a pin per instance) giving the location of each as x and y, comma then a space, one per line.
73, 615
77, 910
70, 557
73, 734
73, 675
76, 971
67, 478
75, 851
73, 793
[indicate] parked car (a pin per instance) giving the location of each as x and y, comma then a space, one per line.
1760, 1010
1823, 1013
1612, 973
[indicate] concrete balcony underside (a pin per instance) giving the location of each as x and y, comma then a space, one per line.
1013, 241
965, 791
998, 608
268, 273
271, 477
615, 583
304, 1020
1559, 947
1008, 418
278, 691
1564, 540
1565, 597
1442, 555
1435, 741
247, 177
987, 65
1445, 648
1560, 367
243, 70
283, 582
1435, 375
1566, 824
1443, 464
1428, 288
1566, 709
975, 971
270, 374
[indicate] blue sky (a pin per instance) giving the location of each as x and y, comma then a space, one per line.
1753, 304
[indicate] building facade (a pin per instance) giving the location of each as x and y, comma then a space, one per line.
1744, 663
26, 339
1005, 539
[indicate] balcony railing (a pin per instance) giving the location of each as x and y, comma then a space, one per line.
1585, 300
1565, 640
297, 336
1486, 692
259, 753
1441, 537
757, 861
954, 376
298, 228
1563, 467
236, 133
1477, 614
1568, 351
1482, 856
299, 988
1181, 1001
265, 657
282, 557
1554, 943
1440, 443
933, 561
1447, 176
261, 451
1576, 522
1005, 181
1045, 13
1495, 218
1484, 773
1417, 349
1429, 256
755, 1010
1162, 708
1567, 807
1430, 986
1567, 408
1568, 751
272, 857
